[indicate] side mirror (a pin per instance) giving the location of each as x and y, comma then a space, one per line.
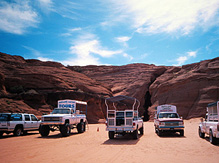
201, 119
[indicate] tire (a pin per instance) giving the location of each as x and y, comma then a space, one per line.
141, 130
111, 134
44, 130
81, 127
135, 134
212, 139
65, 130
1, 134
200, 133
24, 132
181, 133
159, 133
18, 131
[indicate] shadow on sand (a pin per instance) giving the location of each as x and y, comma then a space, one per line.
57, 136
171, 135
122, 140
207, 139
6, 136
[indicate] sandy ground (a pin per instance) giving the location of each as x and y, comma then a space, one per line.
93, 146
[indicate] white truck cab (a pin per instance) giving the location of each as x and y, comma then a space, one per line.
18, 123
123, 116
67, 116
210, 125
167, 120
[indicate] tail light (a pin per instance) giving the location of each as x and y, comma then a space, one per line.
106, 123
133, 124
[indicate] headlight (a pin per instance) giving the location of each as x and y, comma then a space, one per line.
180, 123
162, 123
42, 119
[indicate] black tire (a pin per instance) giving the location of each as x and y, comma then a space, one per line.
84, 126
65, 130
200, 133
135, 134
18, 131
181, 133
212, 139
159, 133
141, 130
1, 134
81, 127
44, 130
24, 132
111, 134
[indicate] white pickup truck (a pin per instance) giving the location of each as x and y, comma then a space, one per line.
210, 125
18, 123
122, 116
64, 118
167, 120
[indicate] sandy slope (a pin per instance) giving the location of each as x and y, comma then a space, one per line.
93, 146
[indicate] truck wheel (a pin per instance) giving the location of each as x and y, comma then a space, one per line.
135, 134
141, 130
201, 134
181, 133
65, 130
80, 127
18, 131
111, 134
1, 133
44, 130
159, 132
212, 139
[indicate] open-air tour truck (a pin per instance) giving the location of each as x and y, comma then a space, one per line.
123, 116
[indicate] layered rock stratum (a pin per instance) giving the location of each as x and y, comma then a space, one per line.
29, 85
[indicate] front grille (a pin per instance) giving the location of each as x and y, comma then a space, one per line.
129, 122
111, 122
51, 119
171, 123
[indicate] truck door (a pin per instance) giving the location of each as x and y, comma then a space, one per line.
34, 122
27, 122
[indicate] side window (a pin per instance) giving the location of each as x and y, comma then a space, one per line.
27, 117
16, 117
34, 118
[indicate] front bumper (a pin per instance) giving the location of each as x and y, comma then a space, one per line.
52, 123
121, 129
171, 128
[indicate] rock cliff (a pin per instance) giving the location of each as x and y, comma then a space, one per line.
35, 86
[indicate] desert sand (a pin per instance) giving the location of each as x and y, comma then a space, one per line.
94, 146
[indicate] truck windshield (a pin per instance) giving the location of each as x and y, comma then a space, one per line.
61, 111
168, 115
4, 117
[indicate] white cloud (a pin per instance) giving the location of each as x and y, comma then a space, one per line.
44, 59
128, 56
123, 40
46, 5
182, 59
192, 53
87, 50
166, 16
71, 31
17, 16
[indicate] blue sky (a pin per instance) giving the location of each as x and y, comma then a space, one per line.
111, 32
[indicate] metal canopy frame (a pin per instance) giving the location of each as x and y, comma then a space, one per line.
120, 98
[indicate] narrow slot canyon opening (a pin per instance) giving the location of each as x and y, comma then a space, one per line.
147, 104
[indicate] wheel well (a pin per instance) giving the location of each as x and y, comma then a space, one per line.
19, 126
81, 120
